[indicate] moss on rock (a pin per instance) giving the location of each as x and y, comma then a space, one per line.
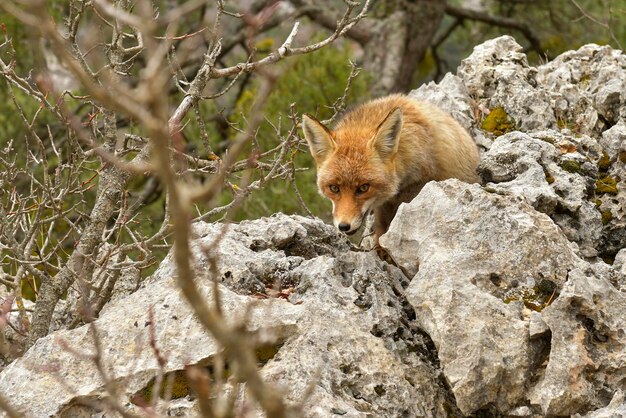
571, 166
606, 216
606, 185
605, 162
497, 122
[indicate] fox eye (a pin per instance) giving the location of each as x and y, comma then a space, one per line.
362, 188
334, 188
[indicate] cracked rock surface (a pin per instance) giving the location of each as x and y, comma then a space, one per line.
347, 324
518, 319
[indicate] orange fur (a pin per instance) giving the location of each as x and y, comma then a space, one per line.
390, 146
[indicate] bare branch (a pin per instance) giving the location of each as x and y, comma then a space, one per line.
504, 22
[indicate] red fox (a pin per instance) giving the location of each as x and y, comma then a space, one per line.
381, 154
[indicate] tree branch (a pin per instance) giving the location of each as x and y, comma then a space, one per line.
360, 34
503, 22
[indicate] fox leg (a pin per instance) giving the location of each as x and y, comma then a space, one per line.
383, 216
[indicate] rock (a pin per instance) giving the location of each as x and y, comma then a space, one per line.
451, 95
547, 169
348, 326
588, 325
461, 292
537, 327
620, 265
370, 358
123, 329
590, 84
617, 408
578, 103
518, 319
498, 72
612, 201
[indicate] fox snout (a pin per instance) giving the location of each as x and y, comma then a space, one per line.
348, 216
348, 227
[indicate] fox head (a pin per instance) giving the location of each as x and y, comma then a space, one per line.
355, 166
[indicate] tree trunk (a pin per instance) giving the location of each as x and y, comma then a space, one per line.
399, 43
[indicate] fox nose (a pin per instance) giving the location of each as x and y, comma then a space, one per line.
343, 227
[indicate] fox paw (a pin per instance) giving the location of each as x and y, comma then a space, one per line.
384, 255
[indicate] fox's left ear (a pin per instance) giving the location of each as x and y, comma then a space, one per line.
386, 139
320, 139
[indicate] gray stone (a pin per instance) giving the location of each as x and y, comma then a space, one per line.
613, 140
473, 250
517, 317
620, 265
498, 73
123, 329
616, 409
347, 324
451, 95
590, 83
537, 327
548, 170
588, 355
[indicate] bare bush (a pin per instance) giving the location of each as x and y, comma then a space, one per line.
121, 82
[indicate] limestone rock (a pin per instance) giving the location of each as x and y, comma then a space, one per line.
124, 333
617, 408
347, 324
518, 319
590, 85
498, 72
588, 325
548, 170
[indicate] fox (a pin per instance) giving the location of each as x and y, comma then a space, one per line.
381, 153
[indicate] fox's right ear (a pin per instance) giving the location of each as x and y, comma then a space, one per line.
318, 136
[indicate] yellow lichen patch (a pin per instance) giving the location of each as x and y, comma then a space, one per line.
622, 156
174, 383
535, 298
497, 122
606, 185
549, 177
605, 162
606, 217
571, 166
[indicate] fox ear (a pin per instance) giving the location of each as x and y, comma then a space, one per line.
318, 136
387, 136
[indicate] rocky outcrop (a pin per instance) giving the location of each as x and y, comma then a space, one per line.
347, 325
555, 133
508, 298
520, 322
